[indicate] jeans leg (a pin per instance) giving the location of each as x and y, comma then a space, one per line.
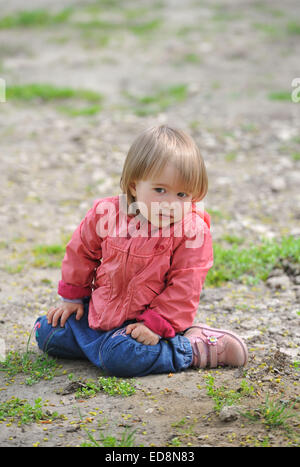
67, 341
121, 355
113, 351
57, 341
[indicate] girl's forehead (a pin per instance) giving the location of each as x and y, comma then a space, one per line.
168, 176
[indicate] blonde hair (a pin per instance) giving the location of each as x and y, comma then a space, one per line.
154, 148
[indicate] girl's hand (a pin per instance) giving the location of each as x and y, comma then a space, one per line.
142, 334
63, 312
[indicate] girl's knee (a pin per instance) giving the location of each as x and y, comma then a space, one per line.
42, 330
56, 341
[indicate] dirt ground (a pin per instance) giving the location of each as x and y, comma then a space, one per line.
230, 56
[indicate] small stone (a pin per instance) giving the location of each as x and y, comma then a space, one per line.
278, 282
278, 184
229, 413
296, 280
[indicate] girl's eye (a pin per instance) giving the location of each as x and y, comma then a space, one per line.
182, 195
158, 190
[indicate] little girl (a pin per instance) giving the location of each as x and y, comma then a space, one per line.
134, 269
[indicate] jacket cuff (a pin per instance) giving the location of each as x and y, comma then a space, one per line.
156, 323
74, 300
73, 291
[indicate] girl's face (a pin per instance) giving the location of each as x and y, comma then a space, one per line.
162, 201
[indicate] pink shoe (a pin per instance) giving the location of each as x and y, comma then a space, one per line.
213, 347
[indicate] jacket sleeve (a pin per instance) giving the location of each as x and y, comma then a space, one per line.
83, 255
174, 309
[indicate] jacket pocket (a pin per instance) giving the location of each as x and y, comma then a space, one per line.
142, 296
103, 285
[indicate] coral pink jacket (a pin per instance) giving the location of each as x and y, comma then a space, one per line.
133, 270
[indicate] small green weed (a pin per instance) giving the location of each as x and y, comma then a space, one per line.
175, 442
48, 256
223, 396
293, 28
108, 441
126, 440
272, 413
280, 96
296, 156
83, 111
20, 410
253, 264
43, 92
185, 428
111, 385
34, 18
144, 27
116, 386
35, 366
149, 105
48, 92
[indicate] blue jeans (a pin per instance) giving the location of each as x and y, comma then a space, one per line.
113, 351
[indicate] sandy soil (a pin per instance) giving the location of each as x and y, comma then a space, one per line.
230, 57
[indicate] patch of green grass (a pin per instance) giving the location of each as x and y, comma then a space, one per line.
34, 18
293, 28
116, 386
108, 441
280, 96
48, 92
34, 366
253, 264
20, 410
14, 268
223, 396
272, 30
98, 24
272, 413
84, 111
175, 442
217, 214
134, 13
144, 27
296, 156
111, 385
230, 156
45, 93
138, 27
48, 256
233, 239
192, 58
160, 101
